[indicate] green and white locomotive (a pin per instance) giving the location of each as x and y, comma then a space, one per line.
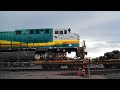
45, 43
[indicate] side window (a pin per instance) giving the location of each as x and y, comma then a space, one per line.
18, 32
61, 32
56, 32
31, 31
41, 31
65, 31
37, 31
46, 30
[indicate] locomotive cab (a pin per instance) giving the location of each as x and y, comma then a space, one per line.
61, 32
64, 36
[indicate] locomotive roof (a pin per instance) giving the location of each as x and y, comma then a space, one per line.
32, 29
6, 31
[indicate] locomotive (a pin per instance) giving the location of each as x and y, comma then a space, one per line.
43, 43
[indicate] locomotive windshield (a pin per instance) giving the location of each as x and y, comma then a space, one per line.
63, 31
56, 32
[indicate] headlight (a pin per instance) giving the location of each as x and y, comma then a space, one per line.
70, 44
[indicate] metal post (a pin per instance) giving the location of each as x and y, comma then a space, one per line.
89, 67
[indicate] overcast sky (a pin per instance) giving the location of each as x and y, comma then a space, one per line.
100, 29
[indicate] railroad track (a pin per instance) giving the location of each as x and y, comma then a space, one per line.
40, 69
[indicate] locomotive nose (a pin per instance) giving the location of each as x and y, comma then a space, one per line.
74, 36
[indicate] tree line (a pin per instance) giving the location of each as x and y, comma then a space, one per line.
115, 54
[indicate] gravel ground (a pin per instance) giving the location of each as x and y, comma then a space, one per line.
52, 75
44, 75
39, 74
113, 76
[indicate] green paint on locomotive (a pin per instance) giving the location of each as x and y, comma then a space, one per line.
27, 36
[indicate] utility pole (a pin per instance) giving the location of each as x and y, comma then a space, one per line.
89, 67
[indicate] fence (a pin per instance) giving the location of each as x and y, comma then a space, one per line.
106, 69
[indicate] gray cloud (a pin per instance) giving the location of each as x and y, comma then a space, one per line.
97, 28
99, 48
